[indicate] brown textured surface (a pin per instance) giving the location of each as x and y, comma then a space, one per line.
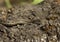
58, 1
28, 23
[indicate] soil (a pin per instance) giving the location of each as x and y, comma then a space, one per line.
31, 23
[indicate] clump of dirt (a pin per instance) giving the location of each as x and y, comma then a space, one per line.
31, 23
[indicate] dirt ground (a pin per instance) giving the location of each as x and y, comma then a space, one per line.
31, 23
